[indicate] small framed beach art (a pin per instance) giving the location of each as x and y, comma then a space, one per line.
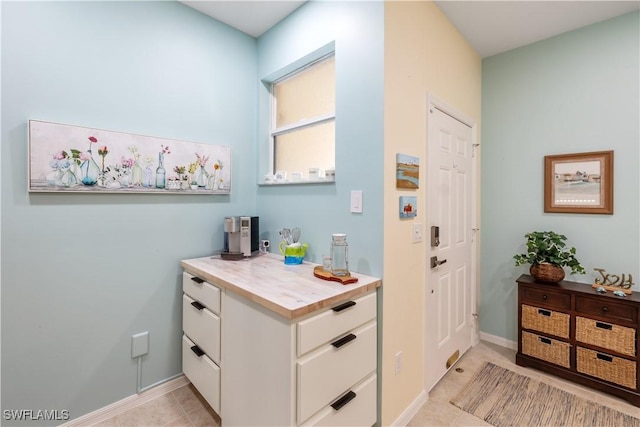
408, 206
407, 171
579, 183
74, 159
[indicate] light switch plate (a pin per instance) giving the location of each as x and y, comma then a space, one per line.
356, 201
417, 232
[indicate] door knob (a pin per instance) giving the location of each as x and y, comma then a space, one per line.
435, 262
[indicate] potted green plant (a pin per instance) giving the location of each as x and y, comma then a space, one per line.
547, 254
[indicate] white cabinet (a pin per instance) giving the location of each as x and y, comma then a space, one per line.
326, 375
201, 339
305, 361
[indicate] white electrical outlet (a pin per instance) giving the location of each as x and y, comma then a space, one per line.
417, 232
139, 344
398, 362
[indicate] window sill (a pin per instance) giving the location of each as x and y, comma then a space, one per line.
288, 182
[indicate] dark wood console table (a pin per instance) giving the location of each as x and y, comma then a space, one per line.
570, 330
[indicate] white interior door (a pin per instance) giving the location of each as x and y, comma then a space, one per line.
450, 293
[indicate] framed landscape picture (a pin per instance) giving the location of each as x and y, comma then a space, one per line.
407, 171
579, 183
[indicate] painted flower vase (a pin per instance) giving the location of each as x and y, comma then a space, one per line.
68, 178
90, 171
136, 175
161, 173
125, 180
147, 177
55, 177
202, 177
211, 182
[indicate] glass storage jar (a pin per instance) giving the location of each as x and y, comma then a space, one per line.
339, 255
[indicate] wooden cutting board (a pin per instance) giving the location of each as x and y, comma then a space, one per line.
320, 273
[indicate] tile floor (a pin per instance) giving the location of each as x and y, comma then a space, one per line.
185, 407
439, 412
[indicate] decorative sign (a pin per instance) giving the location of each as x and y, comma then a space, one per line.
613, 282
74, 159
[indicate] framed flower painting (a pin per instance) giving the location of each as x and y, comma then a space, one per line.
66, 158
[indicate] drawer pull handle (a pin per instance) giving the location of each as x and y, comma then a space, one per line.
544, 340
344, 306
603, 325
605, 309
197, 350
198, 280
197, 305
544, 312
338, 404
604, 357
342, 341
545, 297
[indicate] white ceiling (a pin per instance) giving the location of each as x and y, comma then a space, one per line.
250, 17
491, 27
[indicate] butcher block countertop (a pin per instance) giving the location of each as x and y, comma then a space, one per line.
289, 290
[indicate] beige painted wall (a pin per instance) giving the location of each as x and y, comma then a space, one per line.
424, 53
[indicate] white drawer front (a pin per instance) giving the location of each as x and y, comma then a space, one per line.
203, 373
324, 327
330, 372
202, 327
204, 292
360, 409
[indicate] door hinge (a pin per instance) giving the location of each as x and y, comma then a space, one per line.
473, 150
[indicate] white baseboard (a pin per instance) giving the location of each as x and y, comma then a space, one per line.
503, 342
411, 410
127, 403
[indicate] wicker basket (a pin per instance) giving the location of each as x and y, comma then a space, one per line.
547, 321
547, 273
606, 335
609, 368
547, 349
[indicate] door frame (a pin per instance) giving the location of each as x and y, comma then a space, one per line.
433, 101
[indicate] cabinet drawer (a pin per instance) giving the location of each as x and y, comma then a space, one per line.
334, 368
547, 321
326, 326
547, 349
202, 327
604, 366
606, 335
607, 309
203, 292
203, 374
359, 409
547, 297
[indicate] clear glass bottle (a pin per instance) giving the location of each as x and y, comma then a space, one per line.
339, 255
160, 172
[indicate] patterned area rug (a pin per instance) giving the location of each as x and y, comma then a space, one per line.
503, 398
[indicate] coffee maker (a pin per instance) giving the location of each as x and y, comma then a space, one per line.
241, 236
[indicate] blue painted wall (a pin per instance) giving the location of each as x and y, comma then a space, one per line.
576, 92
82, 273
357, 28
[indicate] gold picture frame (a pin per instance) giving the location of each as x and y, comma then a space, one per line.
579, 183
